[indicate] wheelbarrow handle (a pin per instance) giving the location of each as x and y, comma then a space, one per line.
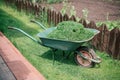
41, 25
10, 27
20, 30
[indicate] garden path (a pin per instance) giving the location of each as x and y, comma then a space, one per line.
18, 65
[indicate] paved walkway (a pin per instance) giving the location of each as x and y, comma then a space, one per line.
18, 65
5, 73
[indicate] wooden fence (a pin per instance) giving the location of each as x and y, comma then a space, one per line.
108, 41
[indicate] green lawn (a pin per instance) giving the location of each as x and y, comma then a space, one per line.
41, 57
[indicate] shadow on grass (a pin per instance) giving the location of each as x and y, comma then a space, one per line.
59, 57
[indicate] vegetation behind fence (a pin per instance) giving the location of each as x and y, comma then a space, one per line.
108, 41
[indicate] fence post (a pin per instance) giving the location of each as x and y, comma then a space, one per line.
106, 33
91, 25
60, 17
65, 17
94, 41
100, 38
54, 18
112, 48
117, 45
26, 6
82, 21
72, 18
48, 16
6, 2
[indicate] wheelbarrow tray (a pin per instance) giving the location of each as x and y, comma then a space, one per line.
62, 44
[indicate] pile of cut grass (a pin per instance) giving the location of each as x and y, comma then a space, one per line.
71, 31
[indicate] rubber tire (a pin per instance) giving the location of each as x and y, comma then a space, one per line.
85, 51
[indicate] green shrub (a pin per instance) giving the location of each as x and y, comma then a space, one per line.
110, 24
54, 1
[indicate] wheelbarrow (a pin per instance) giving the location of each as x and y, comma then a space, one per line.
83, 55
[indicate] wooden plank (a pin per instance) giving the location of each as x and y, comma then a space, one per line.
106, 38
48, 15
117, 44
112, 41
5, 73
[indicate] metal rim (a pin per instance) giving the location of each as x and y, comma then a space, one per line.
83, 62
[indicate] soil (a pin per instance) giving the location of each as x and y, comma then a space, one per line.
98, 9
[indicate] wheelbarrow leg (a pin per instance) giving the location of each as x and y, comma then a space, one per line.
53, 56
63, 53
68, 55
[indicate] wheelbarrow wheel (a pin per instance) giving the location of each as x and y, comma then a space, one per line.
84, 51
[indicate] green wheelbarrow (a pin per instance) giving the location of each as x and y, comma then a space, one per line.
83, 55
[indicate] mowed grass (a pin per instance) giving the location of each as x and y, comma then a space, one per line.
41, 57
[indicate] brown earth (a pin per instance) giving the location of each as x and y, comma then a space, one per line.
98, 9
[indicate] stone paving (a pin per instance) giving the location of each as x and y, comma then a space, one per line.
16, 62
